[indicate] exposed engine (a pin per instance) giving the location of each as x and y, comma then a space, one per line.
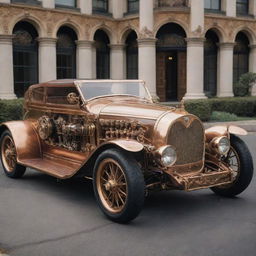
74, 133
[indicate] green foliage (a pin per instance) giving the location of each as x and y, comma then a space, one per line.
200, 108
11, 110
224, 116
246, 81
240, 106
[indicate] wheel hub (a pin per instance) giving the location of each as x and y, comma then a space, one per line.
9, 152
110, 185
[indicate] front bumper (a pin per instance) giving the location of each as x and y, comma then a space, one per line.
204, 179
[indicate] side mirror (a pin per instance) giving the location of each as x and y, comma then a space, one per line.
73, 98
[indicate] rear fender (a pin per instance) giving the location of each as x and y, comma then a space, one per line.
25, 138
217, 131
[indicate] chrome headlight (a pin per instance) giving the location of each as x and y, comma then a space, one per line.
167, 155
221, 145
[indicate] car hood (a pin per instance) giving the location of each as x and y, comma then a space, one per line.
127, 107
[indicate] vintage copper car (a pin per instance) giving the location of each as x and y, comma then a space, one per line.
112, 132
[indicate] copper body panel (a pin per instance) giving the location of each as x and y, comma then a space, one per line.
60, 134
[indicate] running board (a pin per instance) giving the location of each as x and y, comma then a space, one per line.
61, 169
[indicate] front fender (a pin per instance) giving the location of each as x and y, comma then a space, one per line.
224, 130
25, 138
131, 146
128, 145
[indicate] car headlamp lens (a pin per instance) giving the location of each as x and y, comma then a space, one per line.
168, 156
223, 145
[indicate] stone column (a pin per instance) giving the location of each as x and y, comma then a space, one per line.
84, 59
229, 6
252, 7
225, 70
48, 4
147, 15
147, 63
117, 57
47, 59
6, 68
147, 46
86, 6
195, 69
197, 17
5, 1
252, 58
94, 62
117, 9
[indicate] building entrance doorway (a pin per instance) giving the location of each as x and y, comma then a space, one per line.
171, 63
171, 76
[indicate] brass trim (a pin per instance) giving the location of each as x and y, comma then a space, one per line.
112, 185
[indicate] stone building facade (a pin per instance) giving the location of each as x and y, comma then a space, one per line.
181, 48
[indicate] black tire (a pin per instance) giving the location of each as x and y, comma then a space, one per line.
245, 174
17, 170
133, 178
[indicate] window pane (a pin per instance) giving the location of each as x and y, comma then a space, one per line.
207, 4
216, 5
212, 4
66, 53
102, 55
100, 5
25, 57
133, 5
58, 95
38, 94
71, 3
242, 6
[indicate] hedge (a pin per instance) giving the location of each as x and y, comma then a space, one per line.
11, 110
240, 106
200, 108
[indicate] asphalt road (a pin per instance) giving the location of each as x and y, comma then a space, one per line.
39, 216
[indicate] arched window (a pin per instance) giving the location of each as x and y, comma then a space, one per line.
210, 63
66, 53
102, 55
242, 7
132, 6
25, 57
132, 56
241, 56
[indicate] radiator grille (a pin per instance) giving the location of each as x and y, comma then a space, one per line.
188, 141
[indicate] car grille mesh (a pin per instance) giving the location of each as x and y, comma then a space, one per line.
188, 141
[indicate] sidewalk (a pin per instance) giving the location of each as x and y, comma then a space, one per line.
248, 125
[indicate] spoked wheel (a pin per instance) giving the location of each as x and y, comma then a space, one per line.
118, 185
9, 157
240, 160
232, 159
112, 185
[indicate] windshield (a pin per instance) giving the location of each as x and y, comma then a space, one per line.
93, 89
